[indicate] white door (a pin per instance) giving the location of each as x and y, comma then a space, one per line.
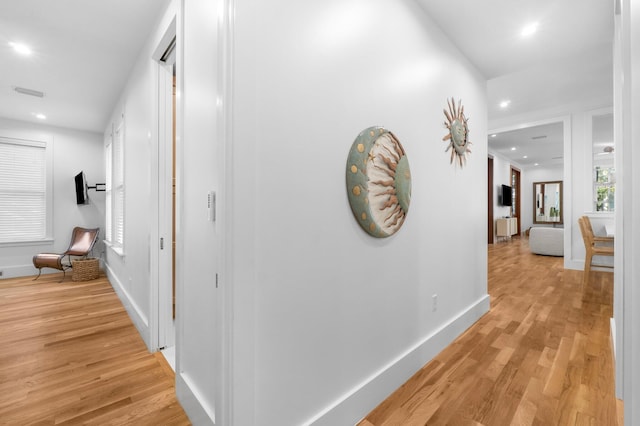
166, 201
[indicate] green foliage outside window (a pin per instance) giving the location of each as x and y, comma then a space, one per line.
605, 189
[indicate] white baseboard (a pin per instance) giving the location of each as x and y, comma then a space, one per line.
578, 265
23, 271
135, 313
574, 264
357, 403
194, 405
15, 271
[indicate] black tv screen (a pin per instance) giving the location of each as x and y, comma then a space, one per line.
82, 192
507, 195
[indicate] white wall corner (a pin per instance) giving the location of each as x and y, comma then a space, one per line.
135, 313
193, 402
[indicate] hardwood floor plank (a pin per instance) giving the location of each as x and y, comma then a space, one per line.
540, 357
72, 356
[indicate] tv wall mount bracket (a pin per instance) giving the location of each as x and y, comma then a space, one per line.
98, 187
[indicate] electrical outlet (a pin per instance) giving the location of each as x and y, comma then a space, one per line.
434, 302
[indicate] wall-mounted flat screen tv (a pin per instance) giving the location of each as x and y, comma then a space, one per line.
507, 195
82, 189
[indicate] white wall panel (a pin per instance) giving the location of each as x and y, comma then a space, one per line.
325, 307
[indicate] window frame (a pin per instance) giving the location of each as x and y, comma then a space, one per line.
609, 183
115, 189
47, 144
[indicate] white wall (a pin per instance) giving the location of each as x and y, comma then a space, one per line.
73, 151
201, 159
628, 268
305, 296
329, 321
621, 96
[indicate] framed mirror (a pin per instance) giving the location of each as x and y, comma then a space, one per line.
547, 202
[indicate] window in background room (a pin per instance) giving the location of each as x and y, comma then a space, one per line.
604, 189
25, 190
604, 172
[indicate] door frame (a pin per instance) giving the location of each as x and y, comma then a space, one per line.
518, 188
566, 178
490, 202
161, 322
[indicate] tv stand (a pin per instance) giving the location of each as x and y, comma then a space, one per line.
506, 227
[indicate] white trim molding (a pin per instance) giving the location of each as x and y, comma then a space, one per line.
358, 402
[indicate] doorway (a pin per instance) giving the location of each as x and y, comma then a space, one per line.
529, 152
164, 264
490, 230
515, 200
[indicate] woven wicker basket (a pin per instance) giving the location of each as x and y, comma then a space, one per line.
85, 269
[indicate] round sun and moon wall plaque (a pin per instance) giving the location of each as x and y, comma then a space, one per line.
458, 135
378, 182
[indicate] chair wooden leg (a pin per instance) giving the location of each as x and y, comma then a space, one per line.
587, 271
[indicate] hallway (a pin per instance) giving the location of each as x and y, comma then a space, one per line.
541, 356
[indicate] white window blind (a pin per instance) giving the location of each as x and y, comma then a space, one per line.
108, 155
115, 188
118, 186
23, 190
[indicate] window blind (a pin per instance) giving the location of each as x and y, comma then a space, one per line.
118, 186
23, 198
108, 191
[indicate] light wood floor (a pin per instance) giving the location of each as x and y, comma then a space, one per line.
541, 356
70, 355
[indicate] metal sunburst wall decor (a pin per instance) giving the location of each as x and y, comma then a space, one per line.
378, 182
458, 135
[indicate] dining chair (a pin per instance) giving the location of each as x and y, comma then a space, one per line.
593, 247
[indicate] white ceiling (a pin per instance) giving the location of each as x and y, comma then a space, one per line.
569, 61
84, 50
542, 145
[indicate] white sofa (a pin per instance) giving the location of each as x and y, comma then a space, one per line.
547, 241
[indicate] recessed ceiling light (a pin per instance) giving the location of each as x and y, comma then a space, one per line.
513, 148
529, 29
535, 164
41, 116
525, 156
493, 135
504, 104
21, 48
